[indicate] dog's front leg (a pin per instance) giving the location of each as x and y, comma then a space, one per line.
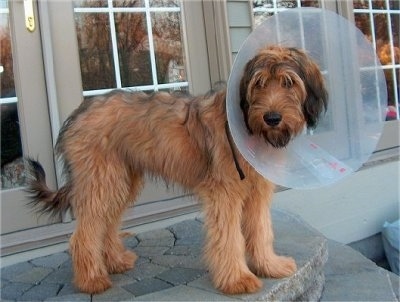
225, 245
258, 232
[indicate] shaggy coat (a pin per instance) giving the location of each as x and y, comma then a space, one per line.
112, 141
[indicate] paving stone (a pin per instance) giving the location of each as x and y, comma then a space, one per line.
200, 218
9, 272
155, 235
395, 281
13, 291
179, 275
33, 276
145, 270
146, 286
189, 229
343, 260
51, 261
150, 251
168, 242
184, 293
67, 264
179, 261
185, 250
362, 286
3, 282
60, 276
121, 279
130, 241
204, 283
68, 289
189, 241
40, 292
141, 261
347, 271
71, 298
113, 294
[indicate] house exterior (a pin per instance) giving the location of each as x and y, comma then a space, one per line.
55, 54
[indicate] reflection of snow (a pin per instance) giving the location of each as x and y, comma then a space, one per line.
176, 72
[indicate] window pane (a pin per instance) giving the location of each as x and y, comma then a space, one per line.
378, 4
94, 40
380, 25
168, 47
7, 88
133, 49
12, 166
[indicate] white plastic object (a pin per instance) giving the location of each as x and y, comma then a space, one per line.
348, 133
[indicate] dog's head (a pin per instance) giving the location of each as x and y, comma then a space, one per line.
282, 91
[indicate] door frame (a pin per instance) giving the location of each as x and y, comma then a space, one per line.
33, 114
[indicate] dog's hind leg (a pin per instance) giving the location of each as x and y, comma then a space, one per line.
225, 246
117, 258
258, 232
101, 192
86, 247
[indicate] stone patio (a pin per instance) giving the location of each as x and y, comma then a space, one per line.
170, 268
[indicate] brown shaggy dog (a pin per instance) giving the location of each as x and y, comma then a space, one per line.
112, 141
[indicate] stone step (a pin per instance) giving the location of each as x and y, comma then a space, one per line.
352, 277
170, 269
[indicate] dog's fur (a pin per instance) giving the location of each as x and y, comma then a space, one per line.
112, 141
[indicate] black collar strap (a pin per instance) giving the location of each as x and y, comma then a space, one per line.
238, 168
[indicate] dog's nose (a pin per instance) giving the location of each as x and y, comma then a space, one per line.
272, 118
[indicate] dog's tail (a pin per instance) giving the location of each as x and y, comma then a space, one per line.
43, 199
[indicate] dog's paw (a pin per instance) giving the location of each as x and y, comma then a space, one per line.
94, 285
276, 267
247, 283
122, 264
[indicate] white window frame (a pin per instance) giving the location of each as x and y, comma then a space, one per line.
147, 9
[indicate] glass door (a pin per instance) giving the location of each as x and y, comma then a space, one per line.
25, 125
79, 49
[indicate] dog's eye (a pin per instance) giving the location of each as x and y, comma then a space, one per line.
260, 83
287, 82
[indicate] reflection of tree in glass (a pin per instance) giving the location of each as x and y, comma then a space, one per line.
94, 39
7, 75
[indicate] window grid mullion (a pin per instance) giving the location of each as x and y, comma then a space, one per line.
372, 23
114, 44
392, 58
151, 45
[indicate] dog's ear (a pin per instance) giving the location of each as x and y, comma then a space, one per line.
316, 101
248, 82
317, 96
